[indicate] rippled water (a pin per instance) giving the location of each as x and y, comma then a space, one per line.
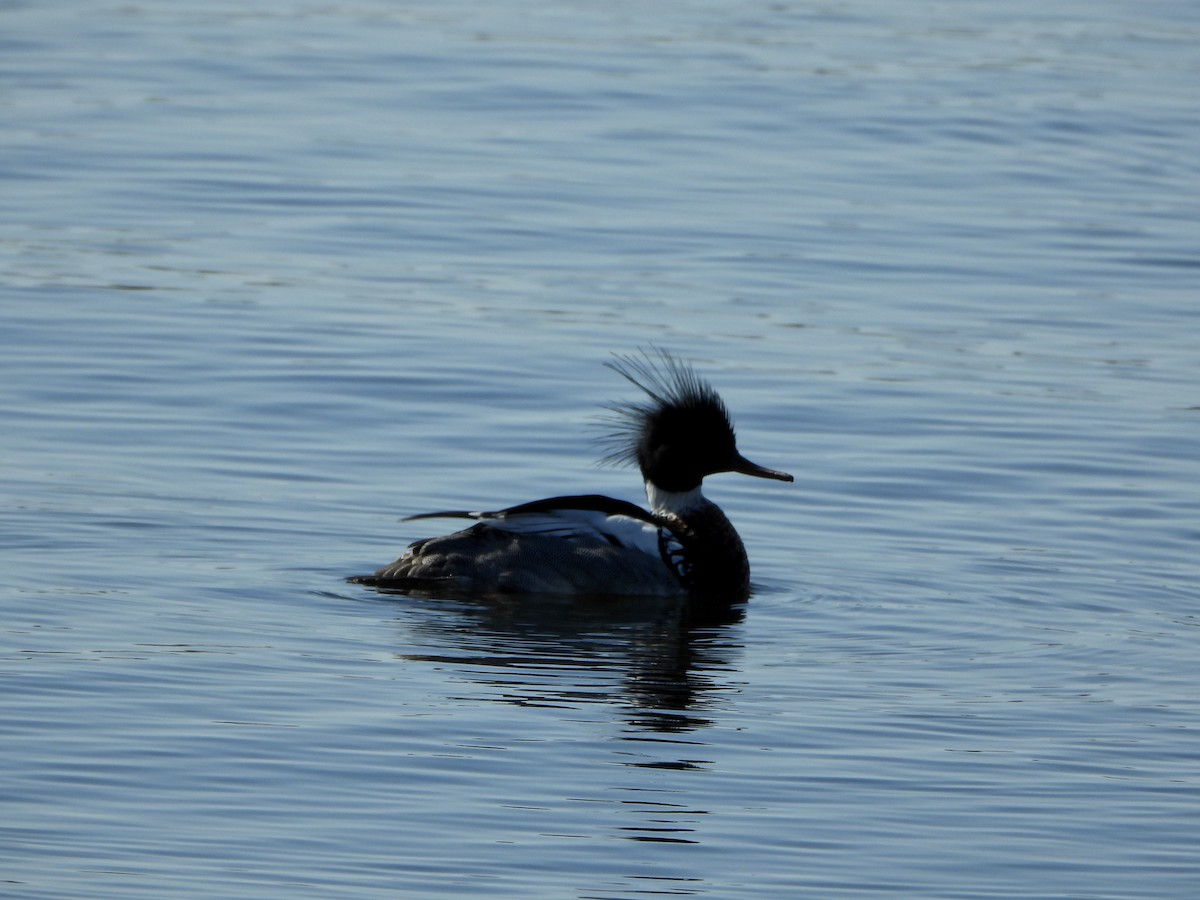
274, 277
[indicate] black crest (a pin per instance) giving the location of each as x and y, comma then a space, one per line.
682, 433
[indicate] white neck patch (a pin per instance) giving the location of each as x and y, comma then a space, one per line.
675, 502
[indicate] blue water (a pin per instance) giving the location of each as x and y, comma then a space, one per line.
274, 276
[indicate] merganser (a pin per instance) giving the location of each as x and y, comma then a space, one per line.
591, 544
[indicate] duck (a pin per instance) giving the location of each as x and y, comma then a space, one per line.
683, 545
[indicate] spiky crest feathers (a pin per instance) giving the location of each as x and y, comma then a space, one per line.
682, 433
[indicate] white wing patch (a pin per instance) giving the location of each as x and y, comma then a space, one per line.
621, 531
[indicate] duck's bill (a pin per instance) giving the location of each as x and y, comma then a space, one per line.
745, 467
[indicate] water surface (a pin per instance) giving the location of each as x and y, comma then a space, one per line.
274, 278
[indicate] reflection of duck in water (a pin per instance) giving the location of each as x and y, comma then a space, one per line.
662, 664
684, 546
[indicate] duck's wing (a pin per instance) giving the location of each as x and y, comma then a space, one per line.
582, 517
563, 545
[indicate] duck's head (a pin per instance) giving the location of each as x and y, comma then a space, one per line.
682, 433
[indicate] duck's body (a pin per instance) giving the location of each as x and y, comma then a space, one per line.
590, 544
